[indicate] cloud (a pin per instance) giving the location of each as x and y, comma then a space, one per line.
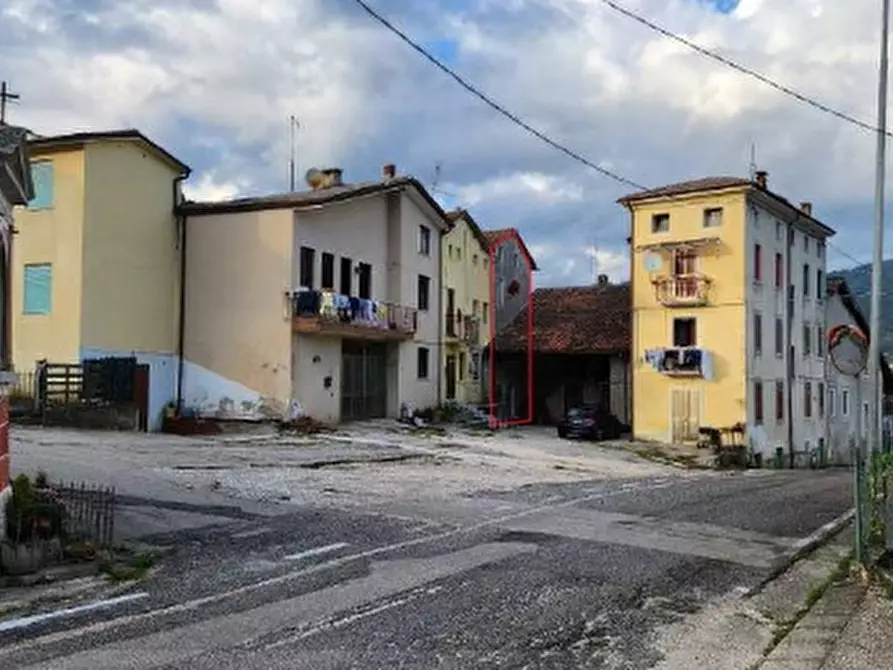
207, 187
216, 80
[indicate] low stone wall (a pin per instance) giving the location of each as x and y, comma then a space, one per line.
106, 417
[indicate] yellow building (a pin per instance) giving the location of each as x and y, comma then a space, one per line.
96, 264
466, 298
714, 263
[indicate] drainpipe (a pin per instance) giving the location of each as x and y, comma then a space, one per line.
789, 318
439, 356
181, 321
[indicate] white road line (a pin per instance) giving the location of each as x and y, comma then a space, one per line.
316, 551
25, 622
319, 567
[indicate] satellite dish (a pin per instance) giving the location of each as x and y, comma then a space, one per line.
653, 262
314, 178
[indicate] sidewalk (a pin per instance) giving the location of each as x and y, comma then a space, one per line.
849, 628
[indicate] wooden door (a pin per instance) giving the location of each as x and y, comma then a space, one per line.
685, 414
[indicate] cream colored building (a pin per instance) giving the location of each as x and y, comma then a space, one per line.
95, 269
466, 304
326, 301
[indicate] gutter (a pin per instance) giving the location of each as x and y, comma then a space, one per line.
181, 321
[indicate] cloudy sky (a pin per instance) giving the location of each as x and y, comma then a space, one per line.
216, 80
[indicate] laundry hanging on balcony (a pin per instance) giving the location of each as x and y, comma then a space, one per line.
681, 360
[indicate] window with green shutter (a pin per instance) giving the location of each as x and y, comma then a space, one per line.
43, 177
38, 288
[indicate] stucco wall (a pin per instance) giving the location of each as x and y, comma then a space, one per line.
52, 235
131, 255
720, 328
238, 333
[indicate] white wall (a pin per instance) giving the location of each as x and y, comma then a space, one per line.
770, 230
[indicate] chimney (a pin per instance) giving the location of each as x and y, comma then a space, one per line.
332, 177
388, 171
761, 177
806, 208
603, 280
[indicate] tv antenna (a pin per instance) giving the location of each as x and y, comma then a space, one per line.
753, 161
293, 126
6, 96
595, 267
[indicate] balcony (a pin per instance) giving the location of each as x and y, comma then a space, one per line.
682, 290
681, 362
335, 315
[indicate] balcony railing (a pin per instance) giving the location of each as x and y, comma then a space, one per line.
682, 290
681, 362
453, 323
329, 313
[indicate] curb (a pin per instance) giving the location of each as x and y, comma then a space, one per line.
802, 548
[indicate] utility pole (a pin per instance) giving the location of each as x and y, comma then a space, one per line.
878, 259
5, 96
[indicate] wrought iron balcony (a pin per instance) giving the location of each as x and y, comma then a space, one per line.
682, 290
328, 313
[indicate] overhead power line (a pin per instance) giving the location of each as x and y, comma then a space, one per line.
514, 118
719, 58
518, 121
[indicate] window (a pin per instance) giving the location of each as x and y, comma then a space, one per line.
832, 402
424, 240
450, 251
660, 223
38, 289
458, 253
475, 308
805, 243
423, 363
424, 289
500, 292
713, 217
474, 259
486, 262
328, 271
821, 397
461, 366
819, 340
684, 263
779, 401
845, 402
757, 334
807, 340
42, 175
308, 259
779, 337
820, 249
779, 270
364, 270
475, 366
806, 273
807, 399
757, 262
819, 285
346, 272
485, 312
684, 332
779, 231
758, 402
865, 418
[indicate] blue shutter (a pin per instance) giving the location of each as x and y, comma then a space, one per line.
42, 176
38, 288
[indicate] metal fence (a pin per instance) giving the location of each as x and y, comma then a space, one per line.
88, 512
25, 386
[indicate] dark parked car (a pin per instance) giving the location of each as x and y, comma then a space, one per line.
590, 424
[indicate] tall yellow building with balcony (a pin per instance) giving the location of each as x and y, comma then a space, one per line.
727, 283
466, 304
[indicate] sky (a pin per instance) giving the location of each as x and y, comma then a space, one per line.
215, 81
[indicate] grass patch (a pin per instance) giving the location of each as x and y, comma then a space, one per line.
815, 593
129, 569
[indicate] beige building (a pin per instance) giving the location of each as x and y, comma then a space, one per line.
326, 301
95, 269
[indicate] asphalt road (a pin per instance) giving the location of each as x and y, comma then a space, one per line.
582, 575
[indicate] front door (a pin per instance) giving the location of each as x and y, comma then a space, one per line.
450, 377
685, 414
363, 381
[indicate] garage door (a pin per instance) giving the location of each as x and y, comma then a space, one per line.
363, 381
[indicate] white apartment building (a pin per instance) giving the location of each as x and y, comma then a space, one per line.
786, 326
324, 302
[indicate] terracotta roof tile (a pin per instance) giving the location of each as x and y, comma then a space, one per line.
574, 320
691, 186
